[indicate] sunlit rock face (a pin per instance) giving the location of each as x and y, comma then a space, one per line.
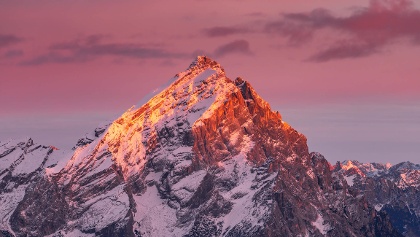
205, 156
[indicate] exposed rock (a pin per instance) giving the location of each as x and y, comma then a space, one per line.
393, 190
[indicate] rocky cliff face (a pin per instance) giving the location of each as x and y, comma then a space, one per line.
393, 190
205, 157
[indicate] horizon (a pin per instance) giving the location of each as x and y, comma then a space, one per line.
339, 73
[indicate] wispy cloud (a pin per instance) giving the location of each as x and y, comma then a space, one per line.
7, 40
13, 53
255, 14
222, 31
344, 49
367, 30
237, 46
94, 47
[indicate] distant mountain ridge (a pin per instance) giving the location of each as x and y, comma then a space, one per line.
392, 189
205, 156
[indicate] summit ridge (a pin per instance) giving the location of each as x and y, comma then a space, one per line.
204, 62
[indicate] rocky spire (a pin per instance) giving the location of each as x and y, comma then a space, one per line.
204, 62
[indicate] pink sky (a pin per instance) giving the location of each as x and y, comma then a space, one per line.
344, 73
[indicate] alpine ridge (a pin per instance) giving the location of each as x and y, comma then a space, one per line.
206, 156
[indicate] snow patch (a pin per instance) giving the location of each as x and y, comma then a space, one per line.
8, 204
244, 209
350, 179
57, 161
378, 207
181, 149
31, 162
105, 210
154, 217
321, 225
73, 233
8, 160
190, 182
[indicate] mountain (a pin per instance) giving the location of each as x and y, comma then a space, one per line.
393, 190
205, 156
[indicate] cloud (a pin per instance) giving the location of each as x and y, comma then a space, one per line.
237, 46
300, 27
221, 31
370, 28
13, 53
53, 57
344, 49
7, 40
93, 47
255, 14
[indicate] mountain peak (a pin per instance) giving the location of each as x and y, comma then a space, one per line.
204, 62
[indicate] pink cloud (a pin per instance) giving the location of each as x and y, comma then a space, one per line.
7, 40
237, 46
344, 49
93, 47
220, 31
14, 53
368, 29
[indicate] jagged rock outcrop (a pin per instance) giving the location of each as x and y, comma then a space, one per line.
393, 190
22, 166
205, 157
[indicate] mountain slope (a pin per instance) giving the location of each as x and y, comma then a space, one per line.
204, 157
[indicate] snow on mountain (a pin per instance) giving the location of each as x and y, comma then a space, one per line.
203, 156
390, 188
404, 174
21, 162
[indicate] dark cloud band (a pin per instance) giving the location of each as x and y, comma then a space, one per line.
7, 40
237, 46
92, 47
